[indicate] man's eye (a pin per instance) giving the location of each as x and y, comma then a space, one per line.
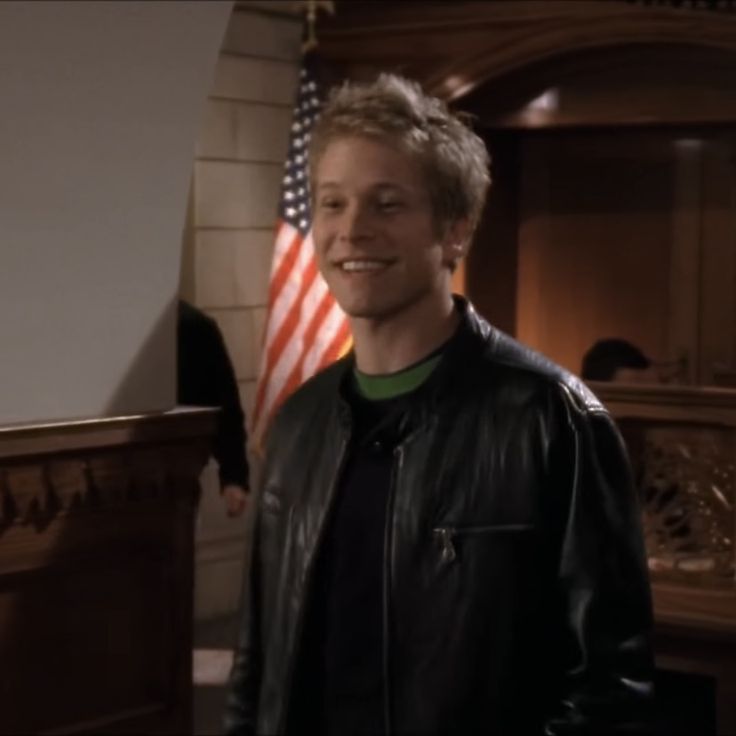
330, 204
389, 205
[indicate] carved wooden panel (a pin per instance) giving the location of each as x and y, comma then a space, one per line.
687, 480
96, 562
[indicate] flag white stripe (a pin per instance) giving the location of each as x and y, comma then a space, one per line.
286, 298
328, 330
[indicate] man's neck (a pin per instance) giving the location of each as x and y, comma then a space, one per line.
389, 346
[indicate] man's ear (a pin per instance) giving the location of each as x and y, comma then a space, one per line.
456, 242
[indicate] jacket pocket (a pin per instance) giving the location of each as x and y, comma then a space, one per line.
447, 536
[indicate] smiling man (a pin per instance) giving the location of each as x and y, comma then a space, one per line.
447, 539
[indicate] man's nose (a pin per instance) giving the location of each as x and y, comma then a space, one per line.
356, 224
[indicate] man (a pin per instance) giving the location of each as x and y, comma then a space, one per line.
205, 377
447, 539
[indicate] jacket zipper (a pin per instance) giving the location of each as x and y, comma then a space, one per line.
446, 535
387, 555
307, 584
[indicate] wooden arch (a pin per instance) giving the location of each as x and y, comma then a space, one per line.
454, 47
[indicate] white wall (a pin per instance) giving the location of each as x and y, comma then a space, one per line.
101, 104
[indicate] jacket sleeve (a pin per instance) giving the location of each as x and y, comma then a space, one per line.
603, 586
241, 708
230, 437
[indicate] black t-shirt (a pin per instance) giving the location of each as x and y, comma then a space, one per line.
340, 687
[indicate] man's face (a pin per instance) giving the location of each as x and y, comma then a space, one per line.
375, 238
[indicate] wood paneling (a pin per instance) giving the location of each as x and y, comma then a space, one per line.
595, 238
629, 234
717, 312
492, 268
96, 560
684, 269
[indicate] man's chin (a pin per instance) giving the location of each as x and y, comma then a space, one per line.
366, 314
365, 311
375, 309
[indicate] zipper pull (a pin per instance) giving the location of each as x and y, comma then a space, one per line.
444, 536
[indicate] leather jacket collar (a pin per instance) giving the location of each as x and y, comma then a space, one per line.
465, 343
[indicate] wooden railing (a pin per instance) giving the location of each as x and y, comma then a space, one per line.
96, 573
682, 444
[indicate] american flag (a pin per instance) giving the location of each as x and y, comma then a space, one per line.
305, 329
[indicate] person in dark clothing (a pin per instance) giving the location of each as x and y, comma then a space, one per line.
205, 377
447, 540
614, 359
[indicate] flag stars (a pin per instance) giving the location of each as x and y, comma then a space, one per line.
295, 206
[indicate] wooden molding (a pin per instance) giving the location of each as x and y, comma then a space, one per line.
689, 404
452, 48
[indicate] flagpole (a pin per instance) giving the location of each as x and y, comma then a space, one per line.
311, 9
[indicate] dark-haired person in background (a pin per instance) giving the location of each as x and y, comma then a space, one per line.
615, 359
205, 377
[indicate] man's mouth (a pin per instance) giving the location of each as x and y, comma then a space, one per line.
363, 264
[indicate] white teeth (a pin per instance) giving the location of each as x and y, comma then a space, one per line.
363, 265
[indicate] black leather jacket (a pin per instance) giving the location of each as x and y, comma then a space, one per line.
516, 594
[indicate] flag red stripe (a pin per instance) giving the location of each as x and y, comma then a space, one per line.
285, 333
292, 318
286, 266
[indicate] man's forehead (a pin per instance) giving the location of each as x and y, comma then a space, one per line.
367, 163
368, 147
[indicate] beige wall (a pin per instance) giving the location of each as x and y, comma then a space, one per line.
236, 181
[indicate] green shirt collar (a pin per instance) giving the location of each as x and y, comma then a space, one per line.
392, 385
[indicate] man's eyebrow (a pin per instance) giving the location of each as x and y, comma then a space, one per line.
380, 185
